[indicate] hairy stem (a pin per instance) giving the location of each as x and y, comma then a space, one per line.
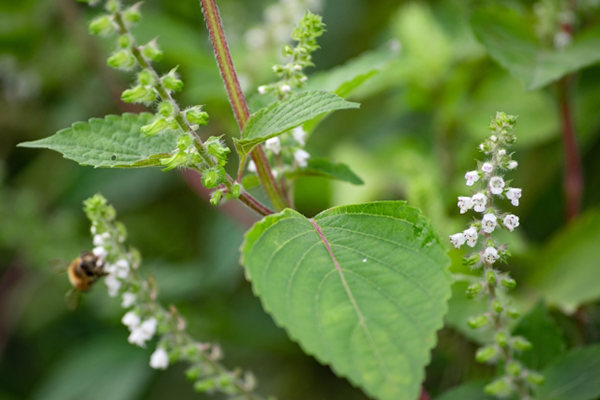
238, 102
245, 197
573, 184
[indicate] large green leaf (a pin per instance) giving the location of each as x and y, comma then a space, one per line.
547, 339
510, 40
576, 376
568, 265
284, 115
363, 288
110, 142
326, 169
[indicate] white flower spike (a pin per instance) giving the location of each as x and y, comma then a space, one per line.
141, 334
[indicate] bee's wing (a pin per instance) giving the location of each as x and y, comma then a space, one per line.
58, 266
72, 298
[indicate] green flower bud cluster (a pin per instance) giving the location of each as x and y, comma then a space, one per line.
185, 155
292, 74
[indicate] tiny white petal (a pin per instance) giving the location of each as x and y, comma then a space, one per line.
496, 185
512, 165
493, 138
514, 194
298, 67
479, 202
131, 320
501, 152
457, 240
303, 79
299, 135
489, 222
285, 88
98, 240
128, 299
511, 221
262, 89
472, 177
490, 255
301, 157
159, 359
252, 166
274, 144
465, 204
471, 236
487, 167
93, 230
100, 252
121, 268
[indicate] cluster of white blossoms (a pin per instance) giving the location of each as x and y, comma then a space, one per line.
145, 318
489, 175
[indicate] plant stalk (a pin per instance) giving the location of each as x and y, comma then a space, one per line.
238, 102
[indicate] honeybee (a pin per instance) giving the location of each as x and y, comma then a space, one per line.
83, 272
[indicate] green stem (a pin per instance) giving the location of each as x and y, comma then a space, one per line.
245, 197
238, 102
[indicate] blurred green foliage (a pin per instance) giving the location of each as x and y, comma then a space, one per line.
415, 135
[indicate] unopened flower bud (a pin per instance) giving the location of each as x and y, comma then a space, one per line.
121, 59
497, 306
478, 322
165, 108
508, 283
146, 77
520, 343
285, 88
512, 165
278, 69
512, 314
152, 52
491, 277
217, 149
101, 26
172, 82
236, 190
514, 368
176, 160
138, 94
535, 379
471, 260
124, 41
204, 385
262, 89
133, 14
212, 177
112, 6
156, 126
501, 339
195, 115
216, 197
474, 289
486, 354
499, 388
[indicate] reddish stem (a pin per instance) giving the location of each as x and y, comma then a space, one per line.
424, 395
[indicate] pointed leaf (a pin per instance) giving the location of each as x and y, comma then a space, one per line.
325, 168
110, 142
362, 288
287, 114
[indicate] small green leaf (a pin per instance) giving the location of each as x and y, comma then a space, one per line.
573, 376
325, 168
540, 329
568, 262
510, 40
287, 114
363, 288
111, 142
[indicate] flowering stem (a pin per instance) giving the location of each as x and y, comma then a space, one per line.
238, 102
574, 177
245, 197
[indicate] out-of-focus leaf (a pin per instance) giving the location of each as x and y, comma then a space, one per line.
325, 168
106, 368
110, 142
576, 376
287, 114
541, 330
569, 264
468, 391
510, 40
460, 309
362, 288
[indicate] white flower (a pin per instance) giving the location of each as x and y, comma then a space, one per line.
457, 240
511, 221
274, 144
493, 138
496, 185
512, 165
298, 67
299, 135
275, 173
131, 320
489, 222
465, 204
285, 88
128, 299
120, 269
482, 147
113, 284
487, 167
490, 255
93, 229
501, 152
514, 194
139, 335
479, 202
99, 240
301, 157
159, 359
262, 89
100, 252
471, 177
471, 236
252, 166
303, 79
